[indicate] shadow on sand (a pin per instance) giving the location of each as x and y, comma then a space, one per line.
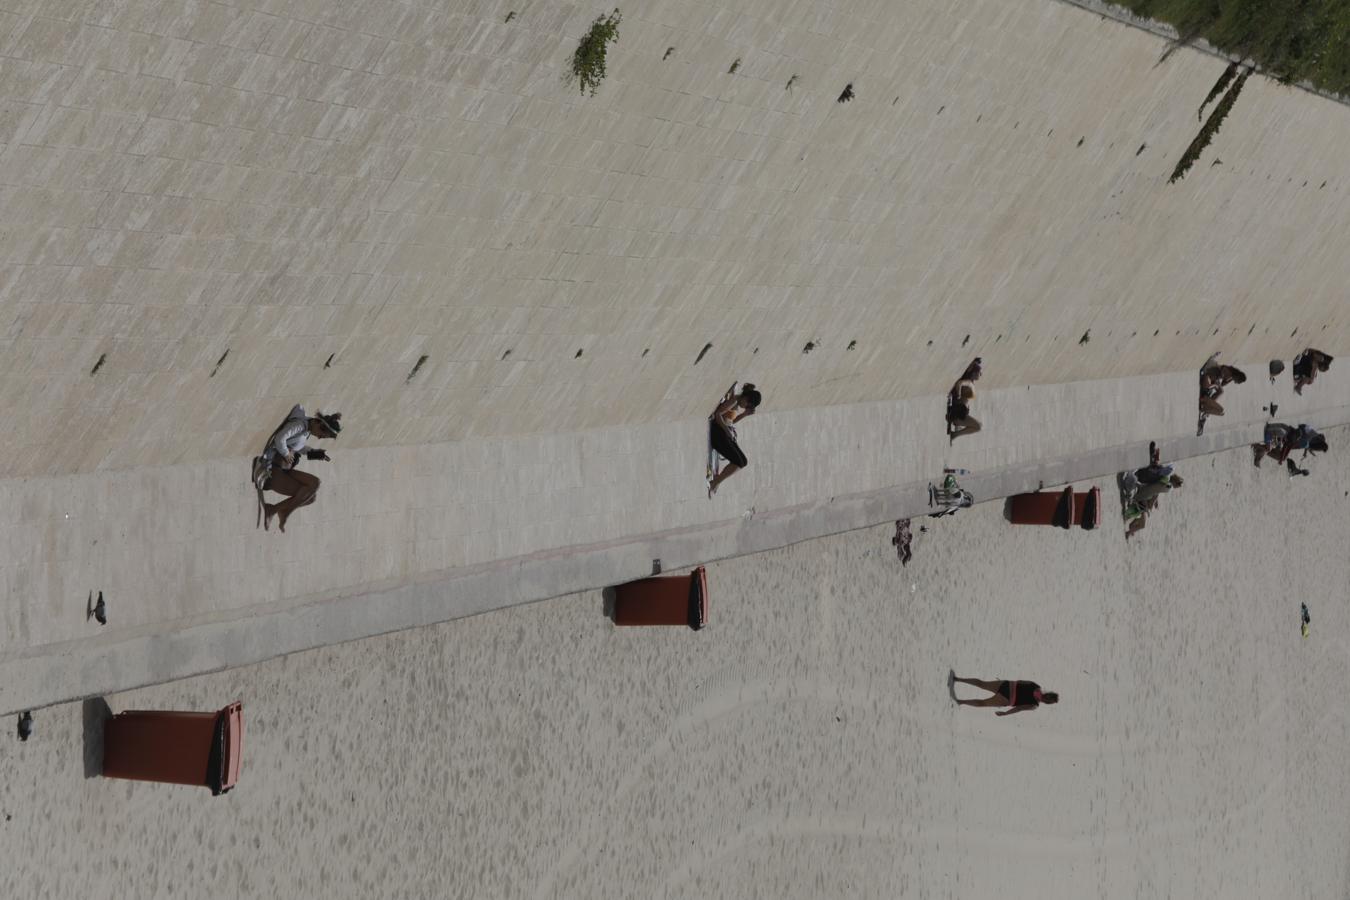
96, 713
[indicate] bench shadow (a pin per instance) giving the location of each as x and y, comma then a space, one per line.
608, 602
95, 713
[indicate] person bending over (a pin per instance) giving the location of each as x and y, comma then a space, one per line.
722, 431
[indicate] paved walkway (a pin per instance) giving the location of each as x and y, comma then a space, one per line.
406, 536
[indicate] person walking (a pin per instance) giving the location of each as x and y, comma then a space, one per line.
1019, 695
275, 468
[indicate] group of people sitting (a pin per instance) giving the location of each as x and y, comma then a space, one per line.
276, 469
1280, 441
1214, 377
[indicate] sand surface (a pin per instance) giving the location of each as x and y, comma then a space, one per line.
804, 745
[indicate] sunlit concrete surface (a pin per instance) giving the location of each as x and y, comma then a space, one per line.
209, 212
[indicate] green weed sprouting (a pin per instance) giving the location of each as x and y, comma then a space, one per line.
588, 63
1218, 88
1210, 129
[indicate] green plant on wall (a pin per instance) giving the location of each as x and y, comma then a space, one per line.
1210, 129
588, 63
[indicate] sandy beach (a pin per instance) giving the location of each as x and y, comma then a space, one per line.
803, 745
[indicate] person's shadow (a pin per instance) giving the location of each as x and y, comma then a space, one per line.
96, 714
951, 684
1125, 490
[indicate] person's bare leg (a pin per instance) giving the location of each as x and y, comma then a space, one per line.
990, 686
1210, 406
307, 489
281, 482
727, 471
968, 425
996, 700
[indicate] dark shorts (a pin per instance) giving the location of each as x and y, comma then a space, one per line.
1005, 690
725, 444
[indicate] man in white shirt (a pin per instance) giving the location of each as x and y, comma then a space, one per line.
275, 469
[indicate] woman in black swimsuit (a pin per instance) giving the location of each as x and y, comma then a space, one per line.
1019, 695
722, 431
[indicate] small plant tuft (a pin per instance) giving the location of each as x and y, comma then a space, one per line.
791, 82
734, 66
421, 361
588, 63
669, 50
511, 15
847, 95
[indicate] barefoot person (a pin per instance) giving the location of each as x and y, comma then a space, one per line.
275, 470
1281, 440
959, 398
1213, 379
722, 431
1020, 695
1307, 365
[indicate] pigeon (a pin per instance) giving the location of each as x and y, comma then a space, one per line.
25, 725
101, 610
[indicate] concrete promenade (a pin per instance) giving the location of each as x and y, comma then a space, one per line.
525, 300
802, 747
403, 537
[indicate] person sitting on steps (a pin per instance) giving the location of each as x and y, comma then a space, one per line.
959, 419
1281, 440
1306, 366
275, 469
1213, 378
722, 431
